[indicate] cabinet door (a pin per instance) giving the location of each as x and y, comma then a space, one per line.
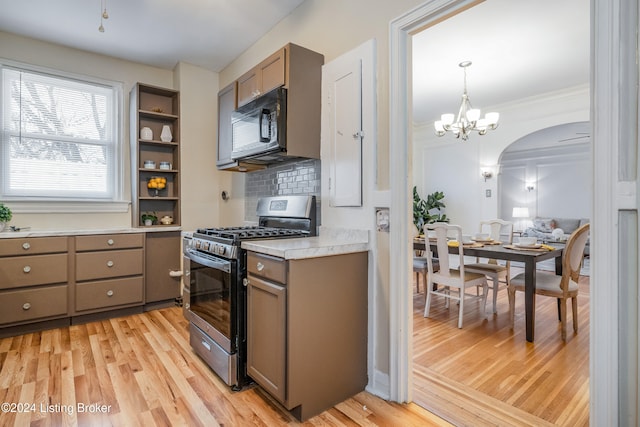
248, 86
271, 71
226, 105
162, 266
266, 332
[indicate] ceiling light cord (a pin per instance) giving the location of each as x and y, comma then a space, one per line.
103, 14
468, 119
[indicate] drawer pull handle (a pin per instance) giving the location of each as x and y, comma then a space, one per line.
26, 306
206, 345
109, 293
260, 266
109, 264
173, 273
26, 268
26, 246
110, 242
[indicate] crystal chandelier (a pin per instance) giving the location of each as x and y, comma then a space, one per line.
468, 119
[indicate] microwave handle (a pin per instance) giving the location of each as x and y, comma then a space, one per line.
265, 133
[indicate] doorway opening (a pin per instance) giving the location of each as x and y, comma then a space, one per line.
442, 379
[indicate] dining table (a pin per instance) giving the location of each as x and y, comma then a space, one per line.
528, 256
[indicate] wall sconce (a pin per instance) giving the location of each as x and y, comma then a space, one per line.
486, 174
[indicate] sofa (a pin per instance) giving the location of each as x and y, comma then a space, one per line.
543, 229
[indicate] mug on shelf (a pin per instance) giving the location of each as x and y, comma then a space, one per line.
165, 165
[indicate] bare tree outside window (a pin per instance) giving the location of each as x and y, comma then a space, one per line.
58, 138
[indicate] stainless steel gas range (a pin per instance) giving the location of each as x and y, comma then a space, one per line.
214, 292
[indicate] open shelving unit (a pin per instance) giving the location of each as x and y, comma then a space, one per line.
155, 107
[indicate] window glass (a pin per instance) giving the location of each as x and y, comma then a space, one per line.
59, 137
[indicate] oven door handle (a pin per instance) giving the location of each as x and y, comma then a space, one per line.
209, 262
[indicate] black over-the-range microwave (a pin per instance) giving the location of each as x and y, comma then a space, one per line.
259, 128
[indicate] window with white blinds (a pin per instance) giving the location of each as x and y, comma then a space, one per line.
60, 138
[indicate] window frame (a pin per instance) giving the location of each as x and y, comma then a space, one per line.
117, 202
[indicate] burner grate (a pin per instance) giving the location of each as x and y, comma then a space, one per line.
251, 232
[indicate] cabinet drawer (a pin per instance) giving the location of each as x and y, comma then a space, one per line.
109, 241
106, 264
33, 303
32, 270
33, 245
109, 293
266, 266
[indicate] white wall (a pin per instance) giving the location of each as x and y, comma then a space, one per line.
559, 180
202, 184
449, 165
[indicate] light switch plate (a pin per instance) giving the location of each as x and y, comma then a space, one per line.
487, 193
382, 219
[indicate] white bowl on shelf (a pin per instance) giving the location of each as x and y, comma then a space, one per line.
149, 164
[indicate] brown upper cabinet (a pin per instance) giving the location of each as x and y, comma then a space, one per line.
267, 75
295, 68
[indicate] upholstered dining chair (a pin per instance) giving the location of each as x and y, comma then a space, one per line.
421, 269
448, 277
499, 231
561, 287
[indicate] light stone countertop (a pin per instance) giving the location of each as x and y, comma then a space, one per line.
8, 234
329, 242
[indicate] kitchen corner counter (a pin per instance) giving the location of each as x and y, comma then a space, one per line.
7, 234
328, 243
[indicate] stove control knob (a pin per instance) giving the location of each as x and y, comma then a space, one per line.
222, 250
198, 244
205, 246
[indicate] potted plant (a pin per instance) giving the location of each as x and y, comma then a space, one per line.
5, 216
149, 218
428, 211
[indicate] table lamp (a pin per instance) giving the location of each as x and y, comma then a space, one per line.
520, 213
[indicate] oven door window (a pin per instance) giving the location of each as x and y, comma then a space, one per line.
211, 296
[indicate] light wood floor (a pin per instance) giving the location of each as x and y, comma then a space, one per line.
141, 371
486, 374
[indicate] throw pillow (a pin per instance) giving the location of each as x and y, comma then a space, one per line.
542, 224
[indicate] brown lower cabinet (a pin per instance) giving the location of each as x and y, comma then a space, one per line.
108, 272
55, 281
307, 329
162, 268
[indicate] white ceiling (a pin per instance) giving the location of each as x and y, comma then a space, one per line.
518, 49
206, 33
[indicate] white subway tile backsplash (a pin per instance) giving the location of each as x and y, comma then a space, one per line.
302, 177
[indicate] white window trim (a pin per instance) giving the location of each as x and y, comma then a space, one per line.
118, 203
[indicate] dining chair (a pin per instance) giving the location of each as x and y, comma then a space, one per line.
447, 276
499, 231
421, 269
560, 287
